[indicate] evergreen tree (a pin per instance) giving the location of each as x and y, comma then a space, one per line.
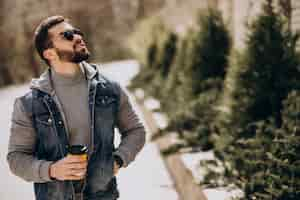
266, 71
200, 79
249, 138
164, 62
174, 80
169, 52
209, 53
268, 164
150, 57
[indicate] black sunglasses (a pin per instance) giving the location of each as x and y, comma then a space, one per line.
69, 34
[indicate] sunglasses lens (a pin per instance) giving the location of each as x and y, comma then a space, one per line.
78, 32
68, 35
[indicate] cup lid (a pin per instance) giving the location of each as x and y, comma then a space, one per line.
77, 149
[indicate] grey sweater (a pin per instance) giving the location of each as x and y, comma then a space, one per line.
22, 139
72, 93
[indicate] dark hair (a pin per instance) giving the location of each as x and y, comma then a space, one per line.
41, 36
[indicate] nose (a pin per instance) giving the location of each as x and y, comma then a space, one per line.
78, 39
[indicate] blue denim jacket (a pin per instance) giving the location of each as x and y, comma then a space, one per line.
52, 139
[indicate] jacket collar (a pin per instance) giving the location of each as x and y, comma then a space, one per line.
44, 82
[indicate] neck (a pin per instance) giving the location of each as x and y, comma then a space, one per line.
66, 68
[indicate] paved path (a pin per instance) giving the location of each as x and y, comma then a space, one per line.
145, 179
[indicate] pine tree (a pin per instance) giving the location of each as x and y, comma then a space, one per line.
268, 164
209, 52
250, 138
149, 56
200, 74
267, 70
174, 81
164, 62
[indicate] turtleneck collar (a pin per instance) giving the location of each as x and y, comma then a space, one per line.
65, 79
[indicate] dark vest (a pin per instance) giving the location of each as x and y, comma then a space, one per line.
52, 140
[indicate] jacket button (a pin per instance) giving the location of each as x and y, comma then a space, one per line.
60, 122
49, 120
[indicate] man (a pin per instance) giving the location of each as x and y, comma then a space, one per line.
71, 103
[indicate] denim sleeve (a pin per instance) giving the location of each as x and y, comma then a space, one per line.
131, 129
20, 156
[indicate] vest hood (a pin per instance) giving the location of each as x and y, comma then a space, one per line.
44, 82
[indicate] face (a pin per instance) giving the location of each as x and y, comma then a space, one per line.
68, 43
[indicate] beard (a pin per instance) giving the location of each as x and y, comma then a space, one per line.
75, 55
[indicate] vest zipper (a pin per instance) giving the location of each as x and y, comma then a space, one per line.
92, 121
56, 132
62, 114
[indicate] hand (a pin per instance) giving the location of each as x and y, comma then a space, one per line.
116, 168
69, 168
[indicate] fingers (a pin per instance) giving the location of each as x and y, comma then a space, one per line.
74, 174
78, 169
69, 168
77, 172
76, 166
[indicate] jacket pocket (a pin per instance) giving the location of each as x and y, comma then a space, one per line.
105, 100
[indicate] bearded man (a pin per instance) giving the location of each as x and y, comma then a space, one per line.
71, 104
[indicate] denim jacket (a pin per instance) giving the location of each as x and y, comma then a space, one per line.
51, 140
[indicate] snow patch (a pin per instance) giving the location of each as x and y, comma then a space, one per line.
161, 120
192, 162
139, 93
152, 104
222, 193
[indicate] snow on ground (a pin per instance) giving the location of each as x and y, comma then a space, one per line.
146, 178
139, 93
192, 160
152, 104
11, 187
160, 119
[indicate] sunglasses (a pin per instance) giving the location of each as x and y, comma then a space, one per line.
69, 34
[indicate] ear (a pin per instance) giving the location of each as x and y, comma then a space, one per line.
49, 54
